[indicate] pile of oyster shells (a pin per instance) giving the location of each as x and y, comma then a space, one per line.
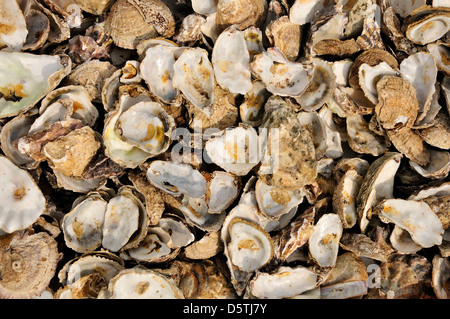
225, 149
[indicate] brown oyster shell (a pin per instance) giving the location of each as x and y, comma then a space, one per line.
409, 143
285, 35
71, 154
371, 57
200, 280
398, 106
242, 13
28, 263
131, 21
296, 154
92, 75
336, 47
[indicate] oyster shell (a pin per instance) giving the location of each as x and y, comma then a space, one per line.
131, 21
427, 28
32, 78
28, 263
320, 87
323, 243
292, 163
19, 190
302, 12
378, 184
242, 13
421, 71
286, 35
285, 282
176, 179
236, 149
411, 214
441, 53
157, 69
440, 276
230, 59
194, 77
250, 247
14, 28
83, 225
281, 76
141, 283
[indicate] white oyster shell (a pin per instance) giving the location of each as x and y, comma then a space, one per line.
25, 78
235, 150
147, 126
302, 11
369, 76
194, 77
324, 241
281, 76
250, 247
274, 202
157, 69
136, 283
285, 282
421, 71
83, 225
13, 26
176, 179
416, 217
22, 201
230, 59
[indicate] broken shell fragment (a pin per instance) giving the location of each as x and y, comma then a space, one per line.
22, 200
344, 197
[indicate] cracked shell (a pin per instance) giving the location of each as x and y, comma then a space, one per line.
28, 263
